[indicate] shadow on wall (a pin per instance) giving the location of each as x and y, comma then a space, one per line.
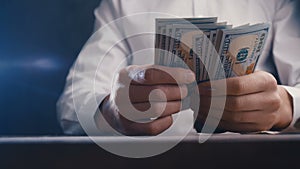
39, 42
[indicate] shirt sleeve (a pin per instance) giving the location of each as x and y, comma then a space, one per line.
286, 51
295, 93
90, 78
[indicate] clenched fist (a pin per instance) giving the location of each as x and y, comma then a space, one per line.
144, 99
254, 102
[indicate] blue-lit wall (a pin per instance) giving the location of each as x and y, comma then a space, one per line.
39, 41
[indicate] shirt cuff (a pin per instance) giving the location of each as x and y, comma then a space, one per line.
295, 94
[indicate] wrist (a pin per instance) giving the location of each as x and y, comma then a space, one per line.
285, 111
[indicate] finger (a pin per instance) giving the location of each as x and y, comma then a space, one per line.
217, 102
199, 124
242, 127
155, 74
252, 117
153, 128
252, 102
248, 84
255, 117
156, 109
224, 125
242, 121
138, 93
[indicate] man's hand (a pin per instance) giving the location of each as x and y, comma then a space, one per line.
253, 103
134, 86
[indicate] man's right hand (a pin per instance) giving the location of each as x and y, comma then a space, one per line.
134, 86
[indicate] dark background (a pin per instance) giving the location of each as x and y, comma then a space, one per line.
39, 41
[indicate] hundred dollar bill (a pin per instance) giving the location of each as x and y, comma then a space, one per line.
182, 45
207, 46
240, 48
179, 30
198, 46
162, 39
173, 38
211, 50
187, 46
213, 54
202, 59
192, 47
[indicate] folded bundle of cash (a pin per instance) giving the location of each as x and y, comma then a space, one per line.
212, 50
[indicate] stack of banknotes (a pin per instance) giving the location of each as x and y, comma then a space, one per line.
211, 49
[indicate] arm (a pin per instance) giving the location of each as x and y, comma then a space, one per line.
82, 94
286, 52
255, 102
90, 86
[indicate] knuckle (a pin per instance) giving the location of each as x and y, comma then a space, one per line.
149, 74
238, 85
275, 101
270, 81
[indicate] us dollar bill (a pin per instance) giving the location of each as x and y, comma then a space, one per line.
240, 48
180, 30
163, 33
184, 49
212, 50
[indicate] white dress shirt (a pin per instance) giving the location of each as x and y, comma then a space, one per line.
281, 53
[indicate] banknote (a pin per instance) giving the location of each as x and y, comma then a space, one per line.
182, 46
208, 47
173, 37
240, 48
179, 30
163, 33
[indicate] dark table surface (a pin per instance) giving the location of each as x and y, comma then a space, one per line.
220, 151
